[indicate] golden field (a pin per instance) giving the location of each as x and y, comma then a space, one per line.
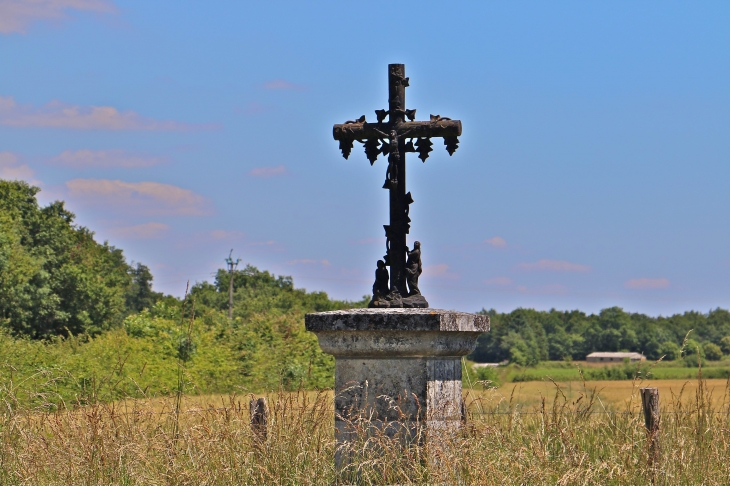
542, 434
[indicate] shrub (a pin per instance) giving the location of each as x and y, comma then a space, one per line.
670, 350
487, 375
692, 347
725, 344
712, 351
692, 360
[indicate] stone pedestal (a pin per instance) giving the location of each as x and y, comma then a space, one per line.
400, 369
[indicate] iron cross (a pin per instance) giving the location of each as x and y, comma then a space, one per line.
389, 138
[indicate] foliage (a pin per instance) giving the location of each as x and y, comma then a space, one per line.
526, 336
487, 376
265, 346
54, 278
670, 350
725, 345
257, 291
139, 295
712, 351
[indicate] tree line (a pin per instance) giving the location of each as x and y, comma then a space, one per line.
56, 280
526, 336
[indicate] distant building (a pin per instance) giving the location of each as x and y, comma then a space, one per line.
601, 357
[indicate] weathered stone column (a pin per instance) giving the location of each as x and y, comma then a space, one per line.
398, 368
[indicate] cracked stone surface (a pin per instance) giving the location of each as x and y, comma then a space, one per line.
396, 320
400, 368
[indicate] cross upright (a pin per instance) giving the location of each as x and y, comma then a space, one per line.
390, 138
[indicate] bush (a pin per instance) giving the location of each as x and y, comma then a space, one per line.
670, 350
712, 351
624, 372
487, 375
692, 347
725, 344
692, 360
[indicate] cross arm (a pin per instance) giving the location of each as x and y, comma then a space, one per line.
363, 131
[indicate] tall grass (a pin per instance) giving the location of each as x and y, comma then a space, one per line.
173, 441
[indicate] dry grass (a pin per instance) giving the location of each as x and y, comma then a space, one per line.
565, 437
615, 395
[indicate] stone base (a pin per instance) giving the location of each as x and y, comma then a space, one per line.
413, 389
397, 371
386, 403
415, 302
412, 302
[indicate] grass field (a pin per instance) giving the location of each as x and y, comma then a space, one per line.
613, 395
580, 370
206, 440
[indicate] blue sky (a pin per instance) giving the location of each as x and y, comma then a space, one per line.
593, 169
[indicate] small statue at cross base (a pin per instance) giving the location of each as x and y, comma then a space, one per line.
414, 269
381, 288
384, 297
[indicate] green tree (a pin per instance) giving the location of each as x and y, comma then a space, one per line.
139, 295
670, 350
560, 333
560, 344
258, 291
54, 278
652, 349
725, 344
712, 351
692, 347
610, 339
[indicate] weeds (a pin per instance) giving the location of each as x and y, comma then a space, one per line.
561, 441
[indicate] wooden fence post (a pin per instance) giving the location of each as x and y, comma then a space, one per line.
259, 417
650, 404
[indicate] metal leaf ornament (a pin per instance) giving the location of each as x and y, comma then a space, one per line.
372, 149
346, 147
423, 147
381, 114
452, 143
385, 147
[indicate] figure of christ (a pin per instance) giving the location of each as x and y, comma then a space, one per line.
391, 174
414, 268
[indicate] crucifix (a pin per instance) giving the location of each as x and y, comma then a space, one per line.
395, 138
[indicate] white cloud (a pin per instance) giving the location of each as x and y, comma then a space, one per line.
647, 283
11, 169
16, 15
553, 266
152, 198
57, 114
141, 231
268, 171
497, 242
84, 158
